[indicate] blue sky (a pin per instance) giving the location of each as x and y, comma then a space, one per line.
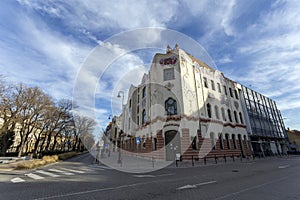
256, 43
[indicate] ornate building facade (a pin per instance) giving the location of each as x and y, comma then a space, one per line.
183, 106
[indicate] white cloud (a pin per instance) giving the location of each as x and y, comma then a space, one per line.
274, 50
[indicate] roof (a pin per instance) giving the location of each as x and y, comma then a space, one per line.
200, 62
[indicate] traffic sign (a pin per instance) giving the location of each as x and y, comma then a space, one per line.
138, 140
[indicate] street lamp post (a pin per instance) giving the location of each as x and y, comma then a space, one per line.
121, 94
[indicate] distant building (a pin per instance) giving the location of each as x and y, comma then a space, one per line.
184, 106
294, 138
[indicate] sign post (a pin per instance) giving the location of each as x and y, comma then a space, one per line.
138, 141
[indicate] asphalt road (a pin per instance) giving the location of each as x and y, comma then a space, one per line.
80, 178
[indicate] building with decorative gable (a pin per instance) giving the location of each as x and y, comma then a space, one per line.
183, 106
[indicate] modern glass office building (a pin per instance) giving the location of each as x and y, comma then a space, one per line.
265, 125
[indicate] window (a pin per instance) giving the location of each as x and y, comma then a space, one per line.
229, 115
234, 141
217, 112
241, 118
138, 120
137, 109
169, 74
144, 92
219, 87
138, 98
154, 144
129, 122
225, 90
223, 114
194, 143
221, 141
212, 138
130, 103
230, 92
227, 140
245, 139
236, 94
170, 106
144, 116
205, 82
212, 85
208, 110
235, 117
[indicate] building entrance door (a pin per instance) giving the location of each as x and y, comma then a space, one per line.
172, 144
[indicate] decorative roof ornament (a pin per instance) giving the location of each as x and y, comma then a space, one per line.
176, 46
169, 49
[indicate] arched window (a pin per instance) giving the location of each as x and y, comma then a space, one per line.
223, 114
229, 115
241, 118
144, 116
227, 140
212, 138
234, 141
245, 140
144, 92
170, 106
195, 143
217, 112
235, 117
208, 110
221, 141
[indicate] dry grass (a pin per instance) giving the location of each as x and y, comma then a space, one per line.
31, 164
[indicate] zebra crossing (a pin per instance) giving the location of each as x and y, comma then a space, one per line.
42, 174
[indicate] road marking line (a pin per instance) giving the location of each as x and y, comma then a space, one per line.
34, 176
47, 173
73, 170
62, 172
205, 183
144, 176
186, 187
283, 166
195, 185
17, 180
164, 175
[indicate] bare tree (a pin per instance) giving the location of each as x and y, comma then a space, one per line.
84, 127
34, 102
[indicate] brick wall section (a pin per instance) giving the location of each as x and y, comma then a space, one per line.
160, 146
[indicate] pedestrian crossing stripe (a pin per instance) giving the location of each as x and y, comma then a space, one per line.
60, 171
37, 174
47, 173
73, 170
17, 180
34, 176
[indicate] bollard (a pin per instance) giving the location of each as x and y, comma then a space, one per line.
152, 161
225, 158
216, 159
232, 157
176, 163
193, 161
204, 160
241, 158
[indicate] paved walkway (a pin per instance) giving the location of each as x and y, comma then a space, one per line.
131, 163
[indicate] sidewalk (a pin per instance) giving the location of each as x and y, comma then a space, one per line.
131, 163
137, 164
